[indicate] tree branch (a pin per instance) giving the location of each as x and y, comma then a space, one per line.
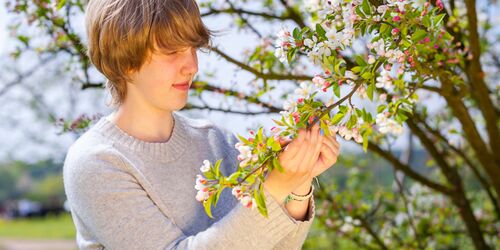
192, 106
407, 170
480, 90
458, 196
256, 72
296, 17
484, 182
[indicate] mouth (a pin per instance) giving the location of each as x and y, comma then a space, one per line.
181, 85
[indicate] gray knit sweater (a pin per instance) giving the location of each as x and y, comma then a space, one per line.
125, 193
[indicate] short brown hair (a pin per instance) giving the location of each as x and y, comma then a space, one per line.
123, 33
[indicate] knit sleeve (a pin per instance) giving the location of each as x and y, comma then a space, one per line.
114, 207
296, 238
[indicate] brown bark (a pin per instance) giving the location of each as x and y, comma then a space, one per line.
458, 196
479, 89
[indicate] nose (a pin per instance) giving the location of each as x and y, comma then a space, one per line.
190, 62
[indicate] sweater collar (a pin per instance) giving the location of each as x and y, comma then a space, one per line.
160, 151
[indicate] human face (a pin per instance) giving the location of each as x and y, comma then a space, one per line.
163, 81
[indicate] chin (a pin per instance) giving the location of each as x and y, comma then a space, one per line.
177, 106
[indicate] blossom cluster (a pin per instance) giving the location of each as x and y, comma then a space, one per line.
380, 71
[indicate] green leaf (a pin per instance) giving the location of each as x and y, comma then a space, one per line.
243, 139
216, 167
360, 60
217, 195
261, 201
356, 69
370, 90
353, 120
381, 108
343, 108
207, 205
320, 31
366, 7
270, 141
233, 177
426, 21
291, 55
365, 142
337, 118
60, 4
366, 76
384, 28
336, 90
359, 12
210, 175
277, 165
359, 112
279, 123
24, 39
418, 35
276, 146
438, 19
337, 67
296, 33
324, 126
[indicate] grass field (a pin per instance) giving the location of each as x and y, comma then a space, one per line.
45, 228
62, 228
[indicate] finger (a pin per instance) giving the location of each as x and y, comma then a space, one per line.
336, 142
328, 154
330, 142
312, 154
297, 158
292, 148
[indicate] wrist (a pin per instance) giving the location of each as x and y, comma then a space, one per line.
304, 188
276, 193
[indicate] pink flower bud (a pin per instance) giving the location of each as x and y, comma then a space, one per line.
296, 116
395, 31
440, 4
275, 130
311, 119
396, 19
286, 44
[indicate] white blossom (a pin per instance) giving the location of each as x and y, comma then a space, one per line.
386, 125
280, 54
237, 192
305, 90
205, 167
290, 106
400, 4
248, 201
202, 195
314, 56
371, 59
384, 80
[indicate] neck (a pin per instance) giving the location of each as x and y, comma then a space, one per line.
144, 124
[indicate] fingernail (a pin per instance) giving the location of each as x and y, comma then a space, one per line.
321, 132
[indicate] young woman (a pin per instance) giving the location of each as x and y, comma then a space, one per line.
130, 178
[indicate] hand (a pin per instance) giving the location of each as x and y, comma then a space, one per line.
328, 156
298, 160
